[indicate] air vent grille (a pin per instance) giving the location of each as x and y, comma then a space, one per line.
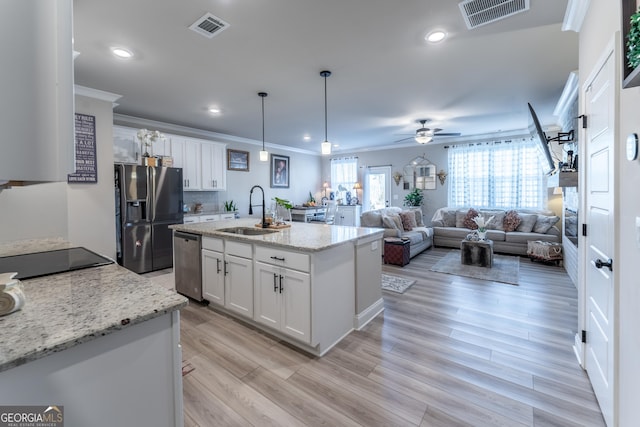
480, 12
209, 25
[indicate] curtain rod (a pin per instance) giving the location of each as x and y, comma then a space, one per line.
471, 144
378, 166
343, 158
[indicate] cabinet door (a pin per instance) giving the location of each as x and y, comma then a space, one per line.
238, 285
267, 295
213, 277
296, 305
126, 146
186, 155
213, 167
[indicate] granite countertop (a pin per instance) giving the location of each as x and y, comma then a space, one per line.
67, 309
300, 236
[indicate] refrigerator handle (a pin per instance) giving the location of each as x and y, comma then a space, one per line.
150, 192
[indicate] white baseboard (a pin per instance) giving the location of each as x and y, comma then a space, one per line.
366, 316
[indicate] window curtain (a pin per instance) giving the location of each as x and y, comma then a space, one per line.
501, 174
344, 173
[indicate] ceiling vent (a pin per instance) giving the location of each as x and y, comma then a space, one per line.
209, 26
480, 12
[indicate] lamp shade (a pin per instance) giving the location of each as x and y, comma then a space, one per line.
357, 186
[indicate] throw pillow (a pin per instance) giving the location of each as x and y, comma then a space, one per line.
460, 216
391, 227
544, 223
408, 220
496, 221
392, 221
449, 218
468, 219
418, 215
527, 221
511, 221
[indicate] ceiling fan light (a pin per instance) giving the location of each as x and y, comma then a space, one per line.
325, 147
423, 139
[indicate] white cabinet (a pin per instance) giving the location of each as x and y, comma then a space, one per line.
209, 218
126, 146
37, 119
227, 215
202, 163
213, 270
283, 300
227, 275
190, 219
283, 291
186, 155
348, 215
214, 176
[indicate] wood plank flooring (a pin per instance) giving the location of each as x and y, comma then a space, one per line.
451, 351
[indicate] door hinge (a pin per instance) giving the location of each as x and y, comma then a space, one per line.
584, 230
584, 336
584, 120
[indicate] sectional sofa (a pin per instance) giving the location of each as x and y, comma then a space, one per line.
510, 229
404, 223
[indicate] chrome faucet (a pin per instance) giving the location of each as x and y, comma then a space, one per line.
264, 220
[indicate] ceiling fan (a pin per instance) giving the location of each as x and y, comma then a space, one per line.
425, 135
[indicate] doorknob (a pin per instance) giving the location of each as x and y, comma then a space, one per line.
599, 264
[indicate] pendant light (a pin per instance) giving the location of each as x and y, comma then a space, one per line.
264, 155
326, 145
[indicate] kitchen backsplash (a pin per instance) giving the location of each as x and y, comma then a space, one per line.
209, 200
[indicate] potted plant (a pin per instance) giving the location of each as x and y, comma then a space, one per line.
414, 198
229, 206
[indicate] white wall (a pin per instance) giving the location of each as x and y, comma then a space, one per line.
91, 207
602, 22
398, 158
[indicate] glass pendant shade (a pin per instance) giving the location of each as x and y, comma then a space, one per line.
423, 139
326, 147
264, 156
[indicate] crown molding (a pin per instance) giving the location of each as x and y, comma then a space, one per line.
568, 96
96, 94
138, 122
574, 15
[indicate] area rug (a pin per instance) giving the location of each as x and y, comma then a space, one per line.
395, 283
505, 268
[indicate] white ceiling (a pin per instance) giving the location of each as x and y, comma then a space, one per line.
385, 76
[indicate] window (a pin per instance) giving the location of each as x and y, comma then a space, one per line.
344, 173
501, 174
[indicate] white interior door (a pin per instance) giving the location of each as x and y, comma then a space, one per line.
377, 191
599, 97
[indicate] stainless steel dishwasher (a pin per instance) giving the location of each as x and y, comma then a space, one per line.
187, 264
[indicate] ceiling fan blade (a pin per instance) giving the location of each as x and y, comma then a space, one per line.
447, 134
404, 139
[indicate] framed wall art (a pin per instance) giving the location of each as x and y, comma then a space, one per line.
237, 160
280, 169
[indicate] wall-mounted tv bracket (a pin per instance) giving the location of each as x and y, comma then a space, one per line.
563, 137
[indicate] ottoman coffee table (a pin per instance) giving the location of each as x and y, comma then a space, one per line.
477, 252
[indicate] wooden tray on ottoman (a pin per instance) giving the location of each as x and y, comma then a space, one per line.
544, 251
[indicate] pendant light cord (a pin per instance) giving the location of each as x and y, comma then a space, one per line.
325, 74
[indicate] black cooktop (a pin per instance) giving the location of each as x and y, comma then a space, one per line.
51, 262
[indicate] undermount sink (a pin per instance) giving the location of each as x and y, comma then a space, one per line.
247, 231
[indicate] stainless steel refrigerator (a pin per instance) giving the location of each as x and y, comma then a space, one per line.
148, 201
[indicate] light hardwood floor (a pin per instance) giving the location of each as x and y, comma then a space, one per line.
450, 351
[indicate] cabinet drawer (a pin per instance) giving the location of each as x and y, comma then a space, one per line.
227, 216
190, 219
238, 249
289, 259
209, 218
213, 244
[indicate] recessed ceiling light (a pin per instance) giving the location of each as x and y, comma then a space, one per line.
306, 138
214, 110
121, 52
436, 36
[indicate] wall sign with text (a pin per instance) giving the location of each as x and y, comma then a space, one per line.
86, 170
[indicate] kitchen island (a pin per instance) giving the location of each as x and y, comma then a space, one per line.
308, 284
102, 342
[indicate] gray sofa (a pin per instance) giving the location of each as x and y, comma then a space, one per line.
451, 226
420, 237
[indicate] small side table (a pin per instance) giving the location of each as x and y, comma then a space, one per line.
478, 253
396, 251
